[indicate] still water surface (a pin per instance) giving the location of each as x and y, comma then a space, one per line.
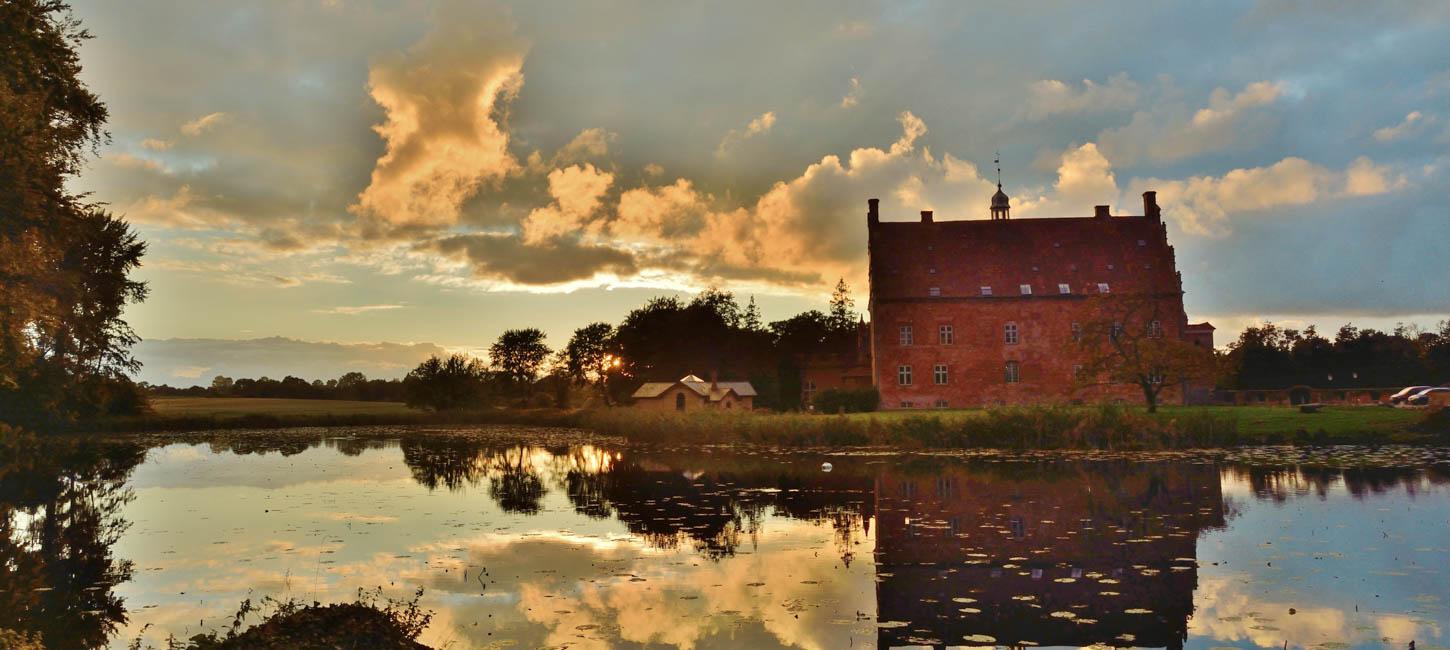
530, 539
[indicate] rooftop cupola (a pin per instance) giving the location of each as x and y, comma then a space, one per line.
1001, 204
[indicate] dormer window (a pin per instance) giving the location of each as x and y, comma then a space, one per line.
1142, 242
1026, 289
986, 291
1102, 287
1064, 288
931, 270
1110, 267
934, 292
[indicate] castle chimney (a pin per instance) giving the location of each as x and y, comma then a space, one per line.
714, 380
1101, 212
926, 216
1150, 205
873, 217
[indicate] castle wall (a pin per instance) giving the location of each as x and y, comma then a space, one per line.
926, 274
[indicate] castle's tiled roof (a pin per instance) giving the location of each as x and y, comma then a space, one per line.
959, 258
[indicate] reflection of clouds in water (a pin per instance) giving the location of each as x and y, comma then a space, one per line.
1226, 610
567, 584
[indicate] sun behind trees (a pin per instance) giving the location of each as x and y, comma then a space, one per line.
64, 262
1125, 344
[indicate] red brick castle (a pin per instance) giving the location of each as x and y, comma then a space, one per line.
967, 313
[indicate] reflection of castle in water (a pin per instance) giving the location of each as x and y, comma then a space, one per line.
1044, 554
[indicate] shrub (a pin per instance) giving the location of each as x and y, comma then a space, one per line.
846, 400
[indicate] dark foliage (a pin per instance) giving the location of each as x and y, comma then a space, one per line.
64, 262
1269, 357
847, 400
447, 384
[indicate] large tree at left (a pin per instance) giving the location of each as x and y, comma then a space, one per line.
65, 262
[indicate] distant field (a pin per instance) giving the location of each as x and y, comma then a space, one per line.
238, 406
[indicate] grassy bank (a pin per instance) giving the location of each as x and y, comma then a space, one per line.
1026, 427
1030, 427
213, 413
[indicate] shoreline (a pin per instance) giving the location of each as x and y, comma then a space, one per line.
1006, 427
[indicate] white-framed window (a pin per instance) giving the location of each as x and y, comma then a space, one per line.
1115, 332
986, 290
1076, 332
945, 335
1009, 334
810, 391
1064, 288
907, 405
1077, 371
1025, 289
1142, 242
939, 374
1102, 287
1155, 329
1110, 267
904, 335
903, 375
1014, 372
941, 403
931, 270
934, 292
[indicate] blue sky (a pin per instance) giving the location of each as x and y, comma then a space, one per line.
420, 173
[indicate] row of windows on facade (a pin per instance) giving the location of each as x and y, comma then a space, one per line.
1012, 374
1023, 289
941, 375
946, 335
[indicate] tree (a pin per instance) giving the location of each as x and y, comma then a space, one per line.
752, 317
843, 315
222, 385
446, 384
1125, 343
519, 355
591, 356
64, 263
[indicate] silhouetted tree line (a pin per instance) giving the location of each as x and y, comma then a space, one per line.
1269, 356
350, 386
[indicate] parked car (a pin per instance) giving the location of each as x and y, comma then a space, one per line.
1423, 397
1400, 397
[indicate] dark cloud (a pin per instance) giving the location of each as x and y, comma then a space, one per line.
507, 257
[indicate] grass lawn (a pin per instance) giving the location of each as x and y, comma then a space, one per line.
1251, 420
1337, 421
238, 406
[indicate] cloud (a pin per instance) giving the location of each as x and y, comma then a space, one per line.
202, 124
155, 144
509, 257
1413, 123
1051, 97
1170, 131
353, 310
734, 137
243, 275
1084, 178
577, 193
444, 101
188, 372
276, 357
853, 96
1203, 204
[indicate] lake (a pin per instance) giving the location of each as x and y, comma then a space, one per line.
548, 538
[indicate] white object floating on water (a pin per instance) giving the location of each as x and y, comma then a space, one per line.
826, 467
